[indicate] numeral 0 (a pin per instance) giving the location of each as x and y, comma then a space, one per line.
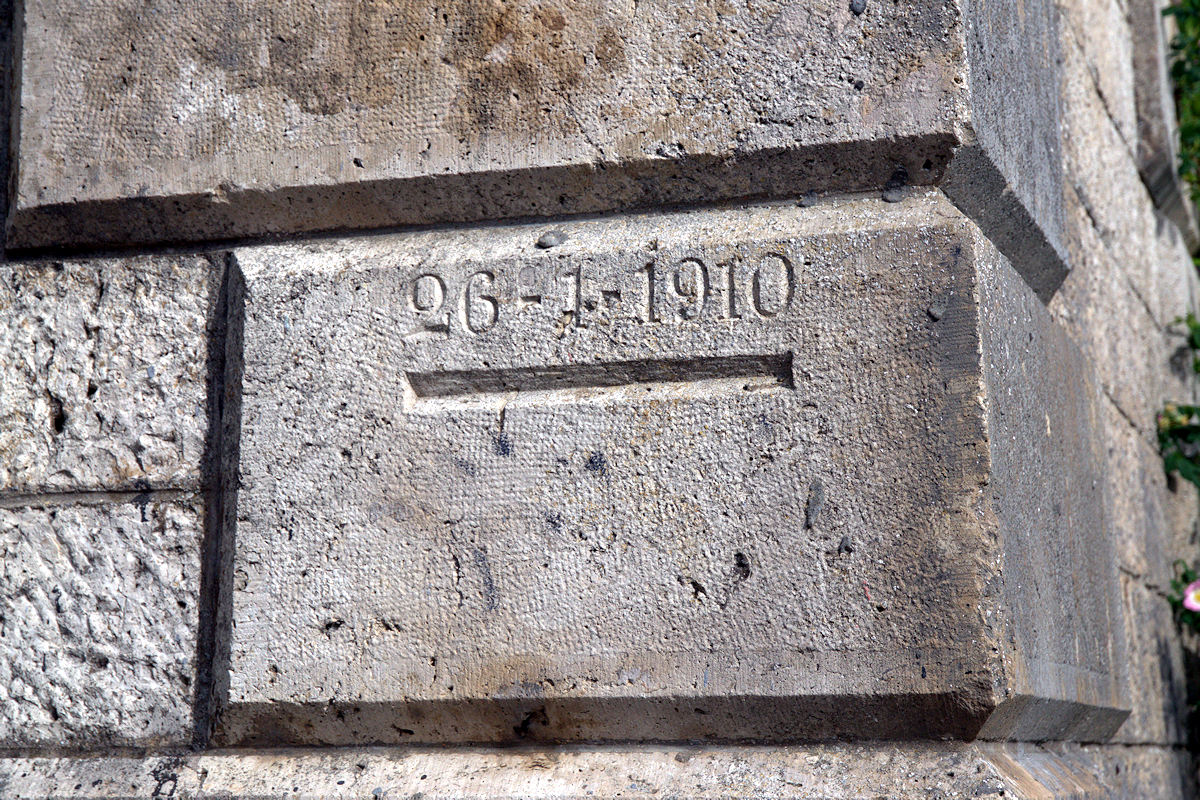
761, 287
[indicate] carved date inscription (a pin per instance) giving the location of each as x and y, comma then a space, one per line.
680, 291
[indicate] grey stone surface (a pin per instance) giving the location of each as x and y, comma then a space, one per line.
1159, 666
200, 121
1157, 149
1116, 330
894, 508
1104, 176
104, 372
1047, 477
98, 621
1103, 172
1063, 770
1101, 30
1174, 277
836, 772
7, 90
488, 493
1007, 174
1152, 516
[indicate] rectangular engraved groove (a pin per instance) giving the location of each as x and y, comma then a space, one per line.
629, 380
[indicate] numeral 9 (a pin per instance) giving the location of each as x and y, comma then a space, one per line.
691, 284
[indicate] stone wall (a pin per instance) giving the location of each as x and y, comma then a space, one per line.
574, 399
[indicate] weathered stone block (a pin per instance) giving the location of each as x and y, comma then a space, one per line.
1157, 149
1045, 476
1101, 30
104, 372
1102, 171
1141, 498
218, 120
1175, 274
1158, 669
943, 770
768, 472
98, 622
1117, 332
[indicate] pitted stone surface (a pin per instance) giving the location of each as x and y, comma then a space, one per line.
211, 120
104, 372
898, 771
98, 621
557, 496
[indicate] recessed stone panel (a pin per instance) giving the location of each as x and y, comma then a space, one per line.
708, 474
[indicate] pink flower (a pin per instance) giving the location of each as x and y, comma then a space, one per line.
1191, 596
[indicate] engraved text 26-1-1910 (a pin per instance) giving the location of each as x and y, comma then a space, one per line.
684, 290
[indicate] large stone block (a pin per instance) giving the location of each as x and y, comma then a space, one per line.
206, 120
1045, 475
105, 372
98, 623
7, 87
768, 472
1148, 508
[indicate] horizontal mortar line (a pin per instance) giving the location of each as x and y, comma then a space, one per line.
615, 379
59, 498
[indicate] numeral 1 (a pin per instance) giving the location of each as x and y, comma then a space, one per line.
648, 271
730, 293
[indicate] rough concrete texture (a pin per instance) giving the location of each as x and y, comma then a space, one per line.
886, 586
510, 524
1132, 275
7, 90
187, 121
1063, 770
836, 772
1007, 175
104, 372
98, 622
1103, 172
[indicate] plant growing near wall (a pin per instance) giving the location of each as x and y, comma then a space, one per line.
1185, 596
1179, 440
1179, 443
1178, 423
1185, 70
